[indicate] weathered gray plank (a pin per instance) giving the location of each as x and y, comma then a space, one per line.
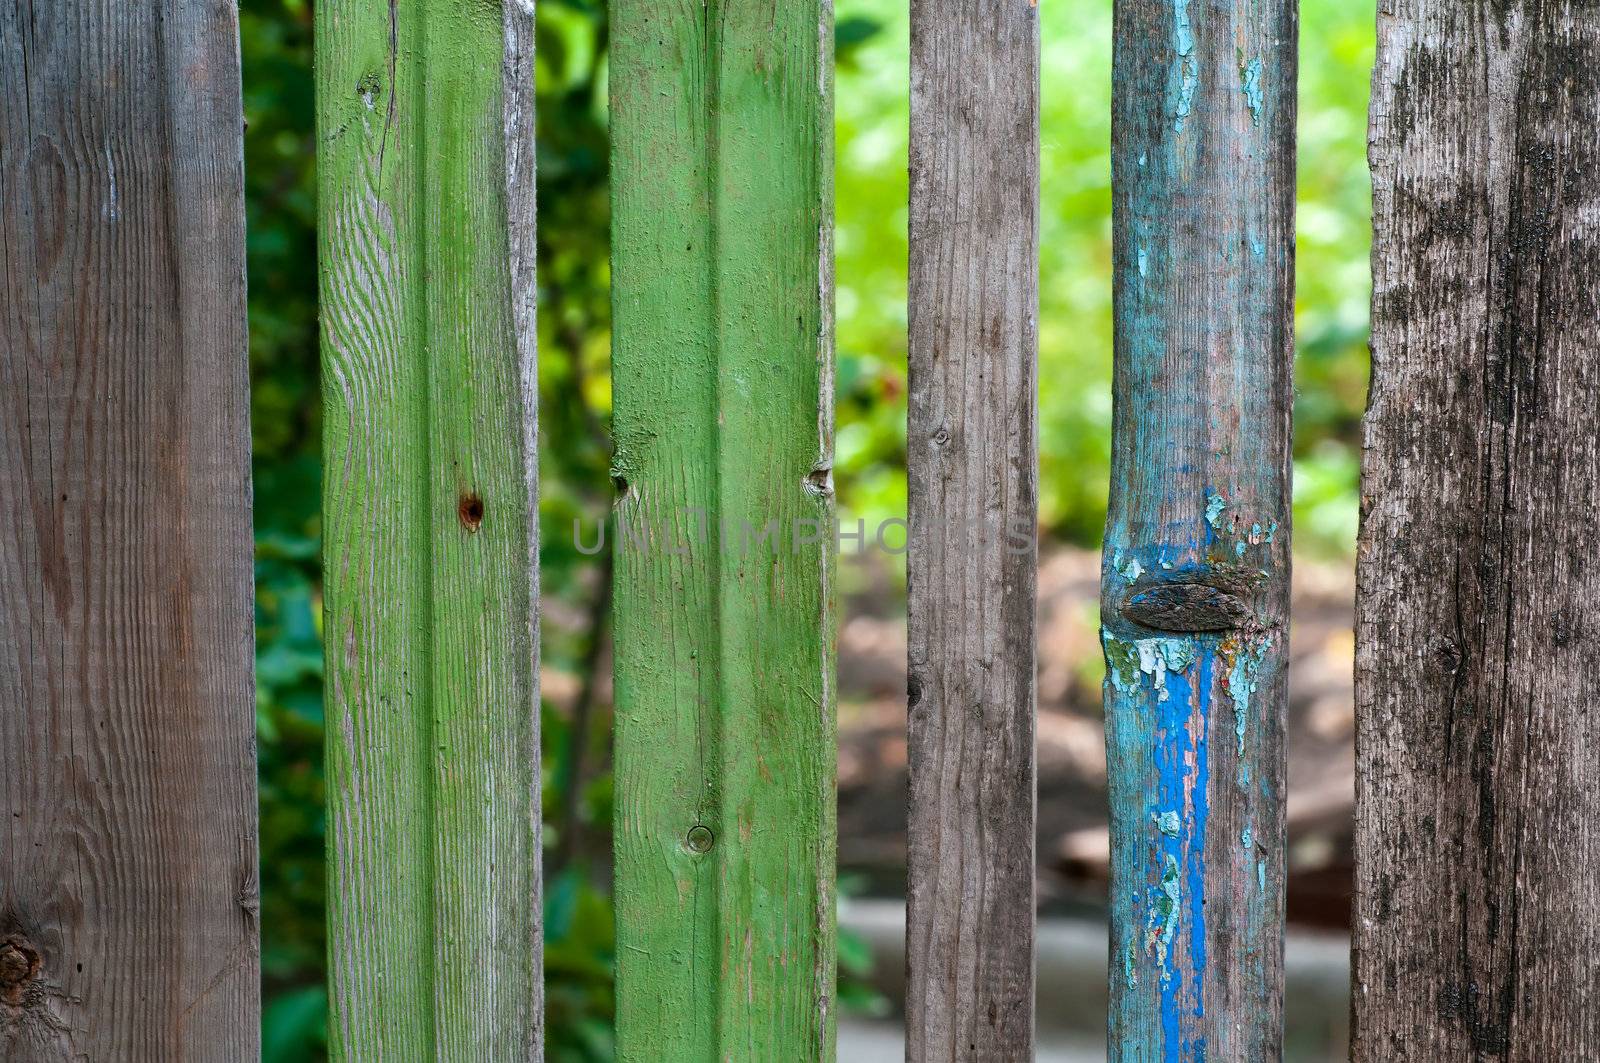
1478, 666
1195, 578
127, 764
972, 455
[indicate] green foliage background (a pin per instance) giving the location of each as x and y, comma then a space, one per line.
1075, 407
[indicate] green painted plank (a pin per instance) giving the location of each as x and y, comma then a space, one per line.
722, 261
424, 131
1195, 578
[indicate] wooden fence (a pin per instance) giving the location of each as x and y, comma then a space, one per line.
128, 849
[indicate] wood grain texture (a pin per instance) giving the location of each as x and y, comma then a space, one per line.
1203, 118
425, 182
973, 489
722, 369
1478, 736
128, 884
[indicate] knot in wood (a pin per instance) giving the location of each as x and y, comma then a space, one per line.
18, 963
1186, 607
700, 839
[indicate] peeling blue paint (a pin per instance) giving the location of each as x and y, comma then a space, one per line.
1161, 723
1261, 875
1215, 504
1246, 839
1164, 913
1252, 89
1238, 549
1154, 657
1144, 263
1242, 682
1188, 68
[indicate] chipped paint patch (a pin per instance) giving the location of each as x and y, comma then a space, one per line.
1126, 661
1163, 925
1215, 504
1247, 839
1188, 69
1167, 823
1144, 262
1243, 680
1252, 88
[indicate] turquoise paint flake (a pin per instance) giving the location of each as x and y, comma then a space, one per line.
1214, 507
1242, 682
1247, 839
1168, 823
1238, 550
1257, 248
1156, 657
1188, 69
1164, 914
1273, 530
1252, 89
1261, 875
1144, 262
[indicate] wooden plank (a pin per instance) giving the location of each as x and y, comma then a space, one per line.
973, 489
425, 179
722, 369
1195, 579
1478, 744
128, 903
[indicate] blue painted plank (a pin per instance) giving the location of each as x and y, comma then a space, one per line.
1196, 568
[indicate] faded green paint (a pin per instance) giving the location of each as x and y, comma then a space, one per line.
432, 754
722, 368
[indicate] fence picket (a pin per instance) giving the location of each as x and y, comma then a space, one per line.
426, 241
128, 869
973, 486
1196, 570
1478, 744
722, 370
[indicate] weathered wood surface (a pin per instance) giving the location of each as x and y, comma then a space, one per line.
128, 877
1203, 119
973, 488
722, 368
425, 169
1478, 737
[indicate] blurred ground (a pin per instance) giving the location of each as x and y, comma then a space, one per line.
1072, 841
1072, 990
